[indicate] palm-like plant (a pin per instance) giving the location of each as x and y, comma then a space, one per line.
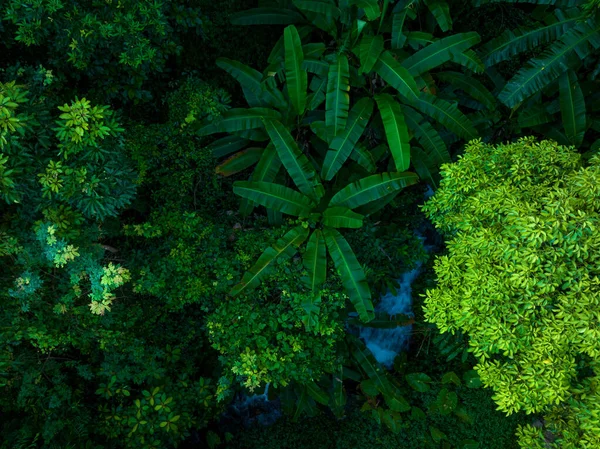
556, 93
327, 152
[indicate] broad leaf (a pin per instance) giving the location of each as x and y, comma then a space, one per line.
363, 157
396, 76
398, 37
295, 162
369, 50
226, 145
469, 60
371, 7
446, 114
239, 161
275, 196
419, 382
343, 144
239, 119
337, 100
296, 76
342, 217
315, 261
328, 10
352, 274
427, 136
441, 12
372, 188
539, 72
425, 167
470, 86
316, 393
286, 245
439, 52
572, 107
395, 130
246, 76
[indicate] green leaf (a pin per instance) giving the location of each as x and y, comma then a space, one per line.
315, 66
469, 60
296, 76
425, 167
369, 387
471, 379
266, 16
284, 246
342, 217
266, 170
338, 393
352, 274
239, 119
539, 72
246, 76
427, 136
572, 107
439, 52
446, 114
513, 42
226, 145
437, 434
383, 320
296, 163
372, 188
470, 86
317, 394
419, 382
363, 157
372, 369
343, 144
446, 401
329, 11
451, 377
469, 444
369, 50
275, 196
396, 76
395, 130
441, 12
371, 8
239, 161
337, 100
315, 261
417, 414
398, 37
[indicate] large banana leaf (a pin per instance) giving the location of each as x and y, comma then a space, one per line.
327, 10
317, 393
275, 196
372, 188
534, 115
469, 60
296, 76
572, 107
384, 321
446, 114
239, 119
317, 97
569, 51
371, 368
246, 76
369, 50
395, 130
338, 394
535, 2
343, 144
470, 86
439, 52
295, 162
266, 170
425, 167
371, 7
315, 261
226, 145
363, 157
441, 12
286, 245
427, 136
337, 100
266, 16
396, 76
398, 37
342, 217
239, 161
513, 42
352, 275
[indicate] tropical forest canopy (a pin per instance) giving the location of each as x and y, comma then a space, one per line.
204, 204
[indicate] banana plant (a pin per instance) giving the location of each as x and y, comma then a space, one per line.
557, 92
371, 52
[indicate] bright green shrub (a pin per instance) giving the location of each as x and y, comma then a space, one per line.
521, 279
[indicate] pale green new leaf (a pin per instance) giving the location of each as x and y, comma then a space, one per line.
392, 72
284, 246
572, 107
352, 274
295, 162
372, 188
275, 196
315, 261
395, 130
343, 144
440, 52
337, 99
296, 76
369, 50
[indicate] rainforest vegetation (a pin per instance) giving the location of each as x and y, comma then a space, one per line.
300, 224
